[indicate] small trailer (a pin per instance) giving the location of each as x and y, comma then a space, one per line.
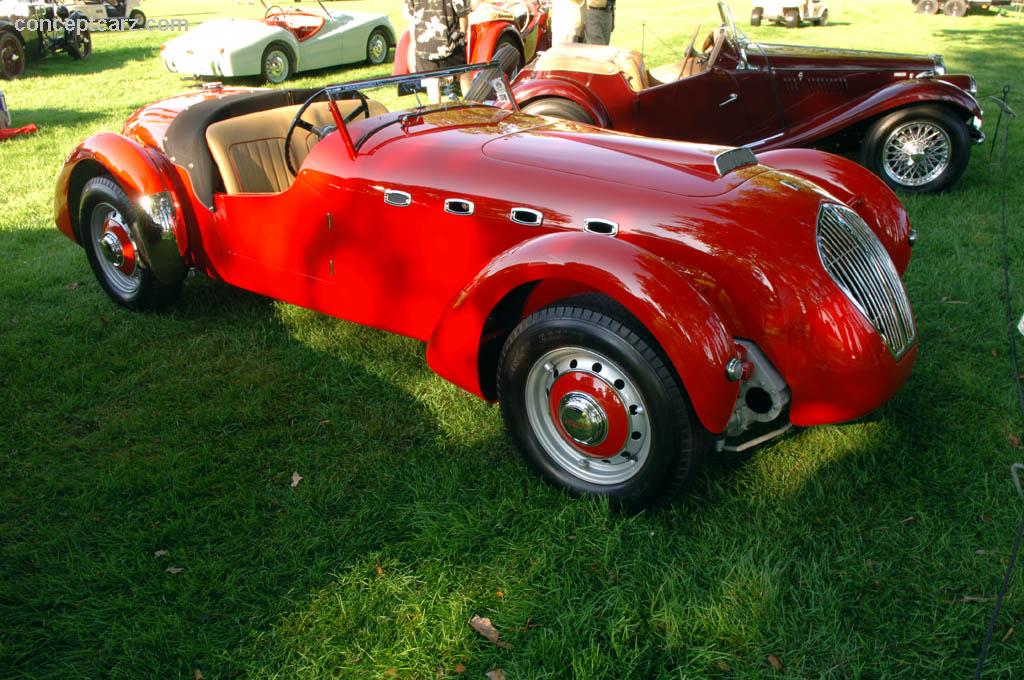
790, 13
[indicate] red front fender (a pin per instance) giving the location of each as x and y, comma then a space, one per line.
140, 172
681, 320
857, 187
527, 89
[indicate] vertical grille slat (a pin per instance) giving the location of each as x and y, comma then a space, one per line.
859, 264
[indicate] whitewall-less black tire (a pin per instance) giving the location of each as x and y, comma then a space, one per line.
139, 290
594, 341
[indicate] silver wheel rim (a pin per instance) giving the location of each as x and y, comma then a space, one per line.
125, 285
617, 469
916, 153
378, 48
276, 65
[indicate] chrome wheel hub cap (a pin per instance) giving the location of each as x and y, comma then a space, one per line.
277, 67
583, 419
378, 48
916, 153
111, 249
588, 415
115, 249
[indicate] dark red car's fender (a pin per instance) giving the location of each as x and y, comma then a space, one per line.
919, 91
681, 320
542, 87
858, 188
140, 172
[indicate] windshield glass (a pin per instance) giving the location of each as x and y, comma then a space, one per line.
736, 36
436, 90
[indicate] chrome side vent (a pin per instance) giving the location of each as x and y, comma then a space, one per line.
399, 199
858, 262
526, 216
599, 226
458, 206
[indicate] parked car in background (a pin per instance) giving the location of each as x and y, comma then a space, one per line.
285, 42
634, 304
790, 13
24, 34
522, 25
907, 119
956, 8
115, 14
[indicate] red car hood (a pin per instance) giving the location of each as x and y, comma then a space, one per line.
808, 57
673, 167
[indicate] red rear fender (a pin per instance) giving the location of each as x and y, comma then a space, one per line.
141, 172
689, 331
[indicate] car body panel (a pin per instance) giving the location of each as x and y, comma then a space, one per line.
700, 261
235, 47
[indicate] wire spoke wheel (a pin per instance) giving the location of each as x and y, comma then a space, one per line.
277, 66
589, 415
377, 48
106, 217
916, 153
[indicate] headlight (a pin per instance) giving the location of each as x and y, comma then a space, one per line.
972, 86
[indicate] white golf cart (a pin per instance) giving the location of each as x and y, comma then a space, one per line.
790, 12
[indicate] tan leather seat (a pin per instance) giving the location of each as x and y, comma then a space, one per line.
249, 149
690, 66
596, 59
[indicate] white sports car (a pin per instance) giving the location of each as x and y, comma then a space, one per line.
287, 41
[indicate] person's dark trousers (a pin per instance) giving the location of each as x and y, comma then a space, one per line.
599, 24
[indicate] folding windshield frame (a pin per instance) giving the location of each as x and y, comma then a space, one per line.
334, 93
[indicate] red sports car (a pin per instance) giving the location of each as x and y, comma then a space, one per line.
632, 303
522, 24
911, 124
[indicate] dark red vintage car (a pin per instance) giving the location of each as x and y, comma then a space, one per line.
632, 303
910, 122
523, 25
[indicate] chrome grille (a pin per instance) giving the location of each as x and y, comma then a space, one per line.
860, 265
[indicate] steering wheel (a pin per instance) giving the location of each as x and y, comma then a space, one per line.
320, 132
270, 10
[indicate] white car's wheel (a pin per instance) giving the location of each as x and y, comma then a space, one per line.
137, 20
377, 47
278, 63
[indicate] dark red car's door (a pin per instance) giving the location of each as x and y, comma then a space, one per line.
703, 108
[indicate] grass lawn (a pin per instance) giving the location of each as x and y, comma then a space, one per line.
149, 528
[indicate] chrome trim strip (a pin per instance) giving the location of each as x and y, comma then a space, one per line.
763, 141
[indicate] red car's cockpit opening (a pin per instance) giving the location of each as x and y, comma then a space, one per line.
303, 25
